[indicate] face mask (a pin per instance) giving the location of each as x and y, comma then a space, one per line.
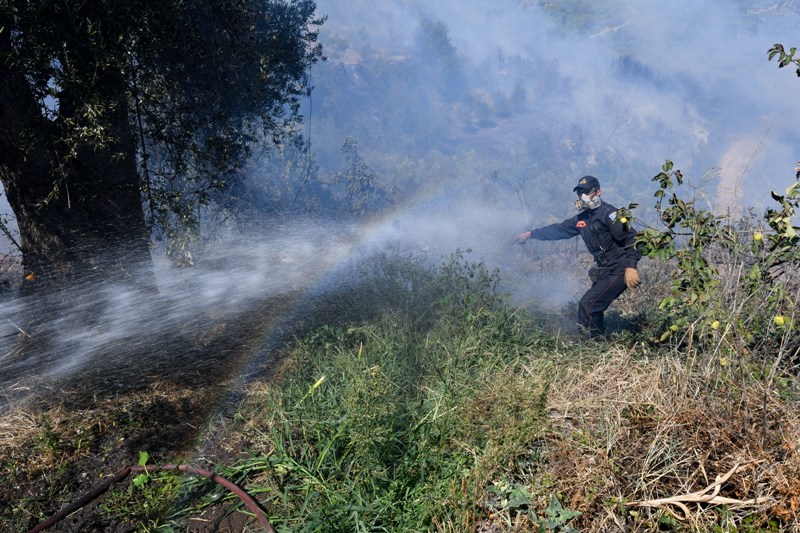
587, 202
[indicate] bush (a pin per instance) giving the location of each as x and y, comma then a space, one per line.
734, 284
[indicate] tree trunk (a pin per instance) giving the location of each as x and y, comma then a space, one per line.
77, 203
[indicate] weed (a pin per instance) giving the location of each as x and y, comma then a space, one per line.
555, 517
148, 497
408, 426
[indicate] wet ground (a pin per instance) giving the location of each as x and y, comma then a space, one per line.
63, 428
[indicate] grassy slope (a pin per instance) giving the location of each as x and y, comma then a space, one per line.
417, 400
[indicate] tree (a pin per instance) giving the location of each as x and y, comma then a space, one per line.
363, 193
444, 65
117, 119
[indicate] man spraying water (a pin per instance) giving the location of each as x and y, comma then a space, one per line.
611, 243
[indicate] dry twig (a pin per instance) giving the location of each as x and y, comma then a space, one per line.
710, 495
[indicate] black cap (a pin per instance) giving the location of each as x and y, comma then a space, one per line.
588, 183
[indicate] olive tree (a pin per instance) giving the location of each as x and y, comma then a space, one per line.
118, 118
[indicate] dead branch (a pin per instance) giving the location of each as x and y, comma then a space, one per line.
709, 495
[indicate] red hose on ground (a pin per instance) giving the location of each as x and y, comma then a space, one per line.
251, 503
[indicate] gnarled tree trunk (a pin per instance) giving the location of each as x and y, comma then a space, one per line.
77, 201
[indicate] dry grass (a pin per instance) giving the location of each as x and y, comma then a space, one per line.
18, 426
628, 429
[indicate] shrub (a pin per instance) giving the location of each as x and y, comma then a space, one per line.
734, 283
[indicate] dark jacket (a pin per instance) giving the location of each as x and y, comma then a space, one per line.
610, 241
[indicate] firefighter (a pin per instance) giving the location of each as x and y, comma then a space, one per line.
611, 243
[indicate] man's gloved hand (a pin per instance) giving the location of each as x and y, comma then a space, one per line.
522, 237
632, 278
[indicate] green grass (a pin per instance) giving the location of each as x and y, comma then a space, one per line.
394, 425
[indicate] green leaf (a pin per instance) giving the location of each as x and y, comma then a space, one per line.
519, 497
141, 480
143, 458
555, 505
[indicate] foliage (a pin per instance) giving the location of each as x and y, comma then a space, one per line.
516, 497
200, 127
784, 58
363, 192
445, 67
146, 499
181, 90
689, 232
556, 518
732, 284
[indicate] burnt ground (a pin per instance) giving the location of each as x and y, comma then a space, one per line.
163, 394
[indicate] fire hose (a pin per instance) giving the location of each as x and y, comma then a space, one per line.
98, 491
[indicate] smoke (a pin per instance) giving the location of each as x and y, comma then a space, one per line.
486, 113
117, 330
618, 87
483, 114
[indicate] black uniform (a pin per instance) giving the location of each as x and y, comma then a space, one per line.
612, 244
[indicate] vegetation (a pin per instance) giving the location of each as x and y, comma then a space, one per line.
462, 415
416, 398
735, 282
105, 106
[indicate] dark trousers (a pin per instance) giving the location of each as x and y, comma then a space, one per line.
597, 299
